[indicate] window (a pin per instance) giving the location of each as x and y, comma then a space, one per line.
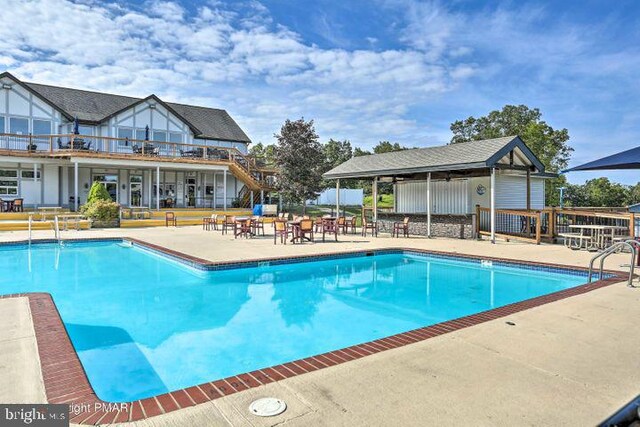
1, 124
141, 134
18, 126
124, 133
28, 174
8, 182
84, 130
175, 137
159, 136
41, 127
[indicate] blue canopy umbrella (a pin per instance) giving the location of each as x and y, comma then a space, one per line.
629, 159
146, 133
76, 126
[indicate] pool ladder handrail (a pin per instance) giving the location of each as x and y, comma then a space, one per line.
631, 244
56, 229
30, 221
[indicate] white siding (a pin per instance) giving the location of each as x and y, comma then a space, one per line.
511, 192
447, 197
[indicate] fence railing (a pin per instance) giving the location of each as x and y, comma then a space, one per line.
68, 143
550, 223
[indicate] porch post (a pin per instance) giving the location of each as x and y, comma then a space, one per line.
375, 198
204, 190
215, 189
75, 186
149, 188
429, 205
224, 190
262, 196
493, 205
337, 197
528, 201
158, 188
35, 179
251, 195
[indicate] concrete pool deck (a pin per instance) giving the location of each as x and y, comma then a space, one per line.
570, 362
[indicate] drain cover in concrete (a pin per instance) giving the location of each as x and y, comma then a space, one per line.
267, 407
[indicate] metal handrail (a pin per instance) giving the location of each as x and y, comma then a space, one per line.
631, 244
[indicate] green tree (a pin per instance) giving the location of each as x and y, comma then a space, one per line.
98, 192
548, 144
336, 152
300, 161
388, 147
599, 192
264, 154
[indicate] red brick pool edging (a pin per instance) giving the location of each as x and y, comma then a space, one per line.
65, 380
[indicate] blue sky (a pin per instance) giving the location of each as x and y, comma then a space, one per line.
366, 71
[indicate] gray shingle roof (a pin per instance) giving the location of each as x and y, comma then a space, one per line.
207, 123
466, 155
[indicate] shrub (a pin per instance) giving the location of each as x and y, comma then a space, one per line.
98, 192
101, 210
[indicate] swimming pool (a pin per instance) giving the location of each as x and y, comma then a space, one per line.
144, 324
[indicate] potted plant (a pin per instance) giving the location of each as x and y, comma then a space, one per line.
100, 209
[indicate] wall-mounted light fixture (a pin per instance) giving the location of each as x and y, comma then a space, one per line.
6, 86
86, 185
124, 186
152, 106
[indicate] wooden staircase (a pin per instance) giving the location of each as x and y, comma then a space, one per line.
244, 197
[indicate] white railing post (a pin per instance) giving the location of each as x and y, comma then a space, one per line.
493, 205
429, 205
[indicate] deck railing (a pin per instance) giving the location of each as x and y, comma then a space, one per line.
549, 223
71, 143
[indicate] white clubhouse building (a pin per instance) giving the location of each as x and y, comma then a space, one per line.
55, 141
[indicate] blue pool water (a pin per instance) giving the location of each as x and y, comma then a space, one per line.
143, 324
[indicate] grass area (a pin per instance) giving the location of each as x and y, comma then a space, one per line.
384, 201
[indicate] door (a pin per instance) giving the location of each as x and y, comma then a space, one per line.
190, 192
110, 182
135, 190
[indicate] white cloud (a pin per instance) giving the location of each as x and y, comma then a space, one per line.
223, 58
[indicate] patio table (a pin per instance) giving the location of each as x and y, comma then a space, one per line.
243, 227
7, 205
65, 220
598, 233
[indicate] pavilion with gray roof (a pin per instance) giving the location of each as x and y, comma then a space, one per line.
451, 179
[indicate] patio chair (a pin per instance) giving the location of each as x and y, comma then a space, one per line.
369, 225
169, 203
242, 228
18, 205
170, 218
305, 230
342, 224
399, 226
228, 224
280, 228
207, 222
329, 226
136, 149
257, 224
351, 224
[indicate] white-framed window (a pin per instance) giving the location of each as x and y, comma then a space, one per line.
124, 133
18, 125
8, 182
28, 174
41, 127
85, 130
1, 124
141, 134
159, 136
175, 137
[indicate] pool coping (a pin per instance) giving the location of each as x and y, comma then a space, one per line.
66, 382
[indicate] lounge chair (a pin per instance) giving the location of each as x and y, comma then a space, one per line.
399, 226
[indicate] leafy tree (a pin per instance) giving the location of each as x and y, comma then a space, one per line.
634, 194
357, 152
263, 153
387, 147
599, 192
548, 144
98, 192
337, 152
300, 161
